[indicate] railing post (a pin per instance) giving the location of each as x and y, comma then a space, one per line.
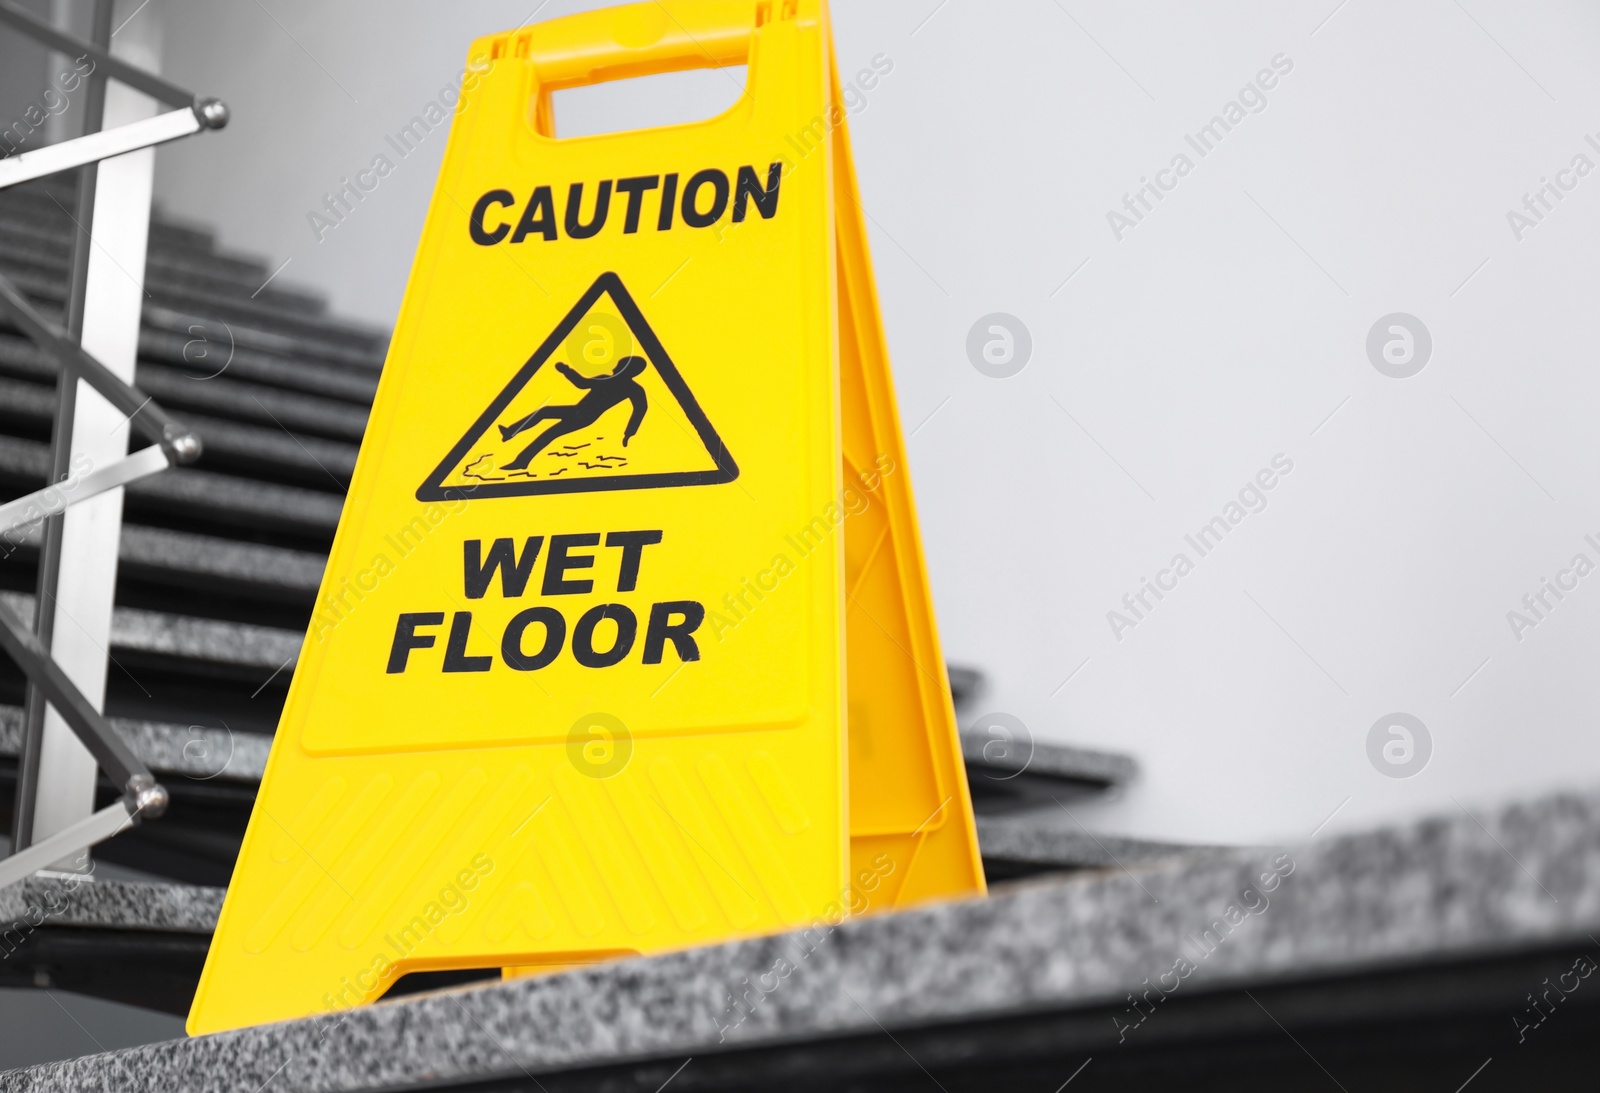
22, 824
66, 739
113, 302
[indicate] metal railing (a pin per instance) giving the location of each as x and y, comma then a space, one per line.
171, 444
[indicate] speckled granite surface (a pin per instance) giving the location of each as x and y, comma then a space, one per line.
234, 643
194, 751
142, 548
1048, 760
114, 904
1454, 886
1050, 837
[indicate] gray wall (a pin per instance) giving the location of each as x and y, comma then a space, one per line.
23, 81
1172, 360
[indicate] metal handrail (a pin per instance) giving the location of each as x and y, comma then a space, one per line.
149, 419
157, 88
194, 113
172, 444
113, 754
55, 158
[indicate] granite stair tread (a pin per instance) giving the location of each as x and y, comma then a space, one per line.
948, 982
115, 904
272, 447
199, 641
192, 751
37, 257
216, 496
1043, 759
47, 251
1047, 840
173, 355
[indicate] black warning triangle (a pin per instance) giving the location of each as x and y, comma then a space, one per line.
584, 431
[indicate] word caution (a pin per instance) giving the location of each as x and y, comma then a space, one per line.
699, 202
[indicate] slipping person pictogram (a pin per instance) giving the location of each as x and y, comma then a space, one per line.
535, 437
604, 392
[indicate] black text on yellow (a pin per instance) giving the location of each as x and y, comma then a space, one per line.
536, 636
699, 201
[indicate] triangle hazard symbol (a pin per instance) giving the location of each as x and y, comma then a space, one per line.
599, 406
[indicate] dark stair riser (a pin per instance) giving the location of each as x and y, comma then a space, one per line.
200, 501
341, 391
46, 247
270, 453
320, 338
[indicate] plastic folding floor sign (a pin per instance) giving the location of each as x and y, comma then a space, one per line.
631, 509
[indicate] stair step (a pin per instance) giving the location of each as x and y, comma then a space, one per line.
185, 340
966, 684
20, 228
49, 248
171, 336
1050, 841
186, 359
185, 494
134, 942
199, 642
205, 563
1050, 760
322, 337
53, 200
228, 445
31, 262
224, 562
1028, 774
224, 396
192, 751
116, 904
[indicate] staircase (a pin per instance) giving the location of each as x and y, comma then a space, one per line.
220, 565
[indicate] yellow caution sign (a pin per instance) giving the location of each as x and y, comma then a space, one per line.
631, 508
911, 828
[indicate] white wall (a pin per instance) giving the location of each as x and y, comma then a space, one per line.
1222, 330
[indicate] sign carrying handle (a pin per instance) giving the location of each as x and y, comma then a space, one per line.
637, 40
642, 40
